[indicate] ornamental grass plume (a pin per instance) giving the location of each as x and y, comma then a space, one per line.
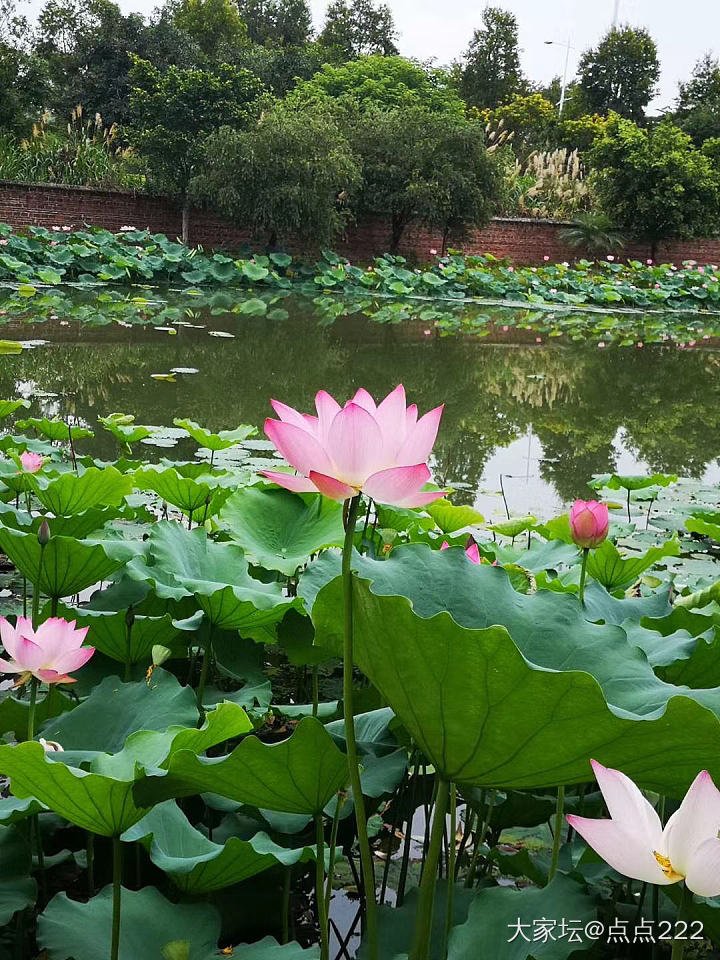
47, 653
635, 844
376, 449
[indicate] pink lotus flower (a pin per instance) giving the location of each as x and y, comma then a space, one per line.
379, 449
635, 844
433, 251
48, 653
31, 462
472, 551
589, 523
546, 258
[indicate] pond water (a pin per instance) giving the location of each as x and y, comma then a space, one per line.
543, 415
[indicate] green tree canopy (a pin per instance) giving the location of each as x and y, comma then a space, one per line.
621, 73
378, 81
24, 78
654, 184
213, 24
491, 73
359, 28
288, 176
425, 167
530, 120
276, 22
173, 111
698, 103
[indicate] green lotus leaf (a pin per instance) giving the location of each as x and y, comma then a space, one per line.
64, 566
17, 888
10, 406
615, 572
615, 481
705, 527
193, 496
185, 563
110, 633
101, 799
123, 427
69, 928
278, 529
298, 775
221, 440
197, 865
519, 725
513, 527
450, 517
72, 493
56, 430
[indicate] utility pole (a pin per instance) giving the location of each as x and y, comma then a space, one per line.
616, 14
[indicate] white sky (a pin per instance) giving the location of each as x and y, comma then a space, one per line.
441, 29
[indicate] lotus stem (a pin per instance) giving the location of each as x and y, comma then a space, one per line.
207, 654
583, 573
479, 839
420, 949
286, 905
320, 887
368, 876
31, 708
678, 947
339, 802
557, 831
116, 897
450, 903
315, 691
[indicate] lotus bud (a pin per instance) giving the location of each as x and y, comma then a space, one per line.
43, 533
589, 521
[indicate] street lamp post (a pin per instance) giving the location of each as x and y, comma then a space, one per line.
563, 88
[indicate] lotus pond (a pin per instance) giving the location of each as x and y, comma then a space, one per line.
196, 788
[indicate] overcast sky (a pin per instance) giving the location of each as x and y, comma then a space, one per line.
441, 29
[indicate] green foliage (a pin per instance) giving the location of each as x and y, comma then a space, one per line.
528, 119
654, 184
285, 177
621, 73
286, 23
358, 28
173, 111
211, 23
424, 167
698, 103
491, 72
593, 233
374, 82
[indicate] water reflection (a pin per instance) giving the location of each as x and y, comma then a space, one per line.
548, 416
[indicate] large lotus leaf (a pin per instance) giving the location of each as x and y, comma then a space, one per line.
115, 709
615, 481
101, 800
485, 716
279, 530
196, 864
297, 775
10, 406
186, 562
615, 572
57, 430
541, 556
13, 810
68, 566
491, 928
17, 888
109, 633
215, 441
68, 928
203, 497
72, 493
14, 713
450, 517
549, 628
704, 526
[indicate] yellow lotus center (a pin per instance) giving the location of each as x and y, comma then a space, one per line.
667, 868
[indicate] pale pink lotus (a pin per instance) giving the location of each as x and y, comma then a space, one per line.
472, 551
635, 844
48, 653
377, 449
31, 462
589, 522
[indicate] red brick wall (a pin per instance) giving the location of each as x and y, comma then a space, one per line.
523, 241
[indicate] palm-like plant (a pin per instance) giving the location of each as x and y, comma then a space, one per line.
593, 232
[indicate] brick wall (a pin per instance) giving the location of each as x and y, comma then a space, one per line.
521, 240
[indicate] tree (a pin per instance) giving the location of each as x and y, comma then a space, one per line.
378, 81
23, 77
621, 73
698, 103
288, 177
213, 24
425, 167
655, 185
491, 74
87, 43
359, 28
172, 112
277, 22
280, 68
530, 120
